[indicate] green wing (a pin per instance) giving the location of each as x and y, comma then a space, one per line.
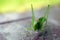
38, 26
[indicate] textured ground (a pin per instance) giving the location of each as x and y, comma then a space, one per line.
18, 31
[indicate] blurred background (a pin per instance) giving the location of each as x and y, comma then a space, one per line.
24, 5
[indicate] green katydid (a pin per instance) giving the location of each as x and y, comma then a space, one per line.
38, 25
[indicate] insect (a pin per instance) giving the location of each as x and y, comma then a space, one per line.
38, 25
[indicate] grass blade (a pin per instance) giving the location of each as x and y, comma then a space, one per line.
33, 17
46, 13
